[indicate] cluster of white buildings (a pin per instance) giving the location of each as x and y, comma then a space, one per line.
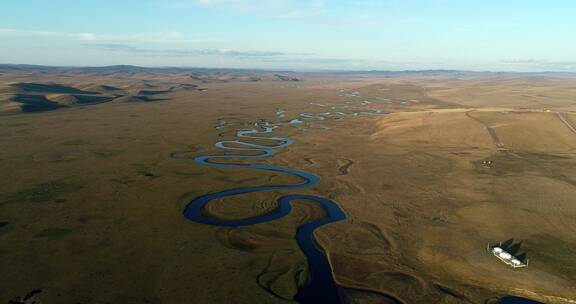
506, 257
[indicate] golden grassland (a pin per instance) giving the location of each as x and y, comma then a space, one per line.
91, 195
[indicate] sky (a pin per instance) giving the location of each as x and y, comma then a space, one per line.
495, 35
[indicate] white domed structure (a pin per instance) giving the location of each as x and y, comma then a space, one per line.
506, 257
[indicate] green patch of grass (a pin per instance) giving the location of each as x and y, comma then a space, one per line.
62, 159
45, 192
187, 174
556, 255
16, 124
226, 178
140, 168
184, 197
122, 180
107, 153
74, 142
143, 169
53, 233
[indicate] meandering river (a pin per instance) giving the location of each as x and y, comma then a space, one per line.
321, 287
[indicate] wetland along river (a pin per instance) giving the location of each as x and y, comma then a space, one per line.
321, 287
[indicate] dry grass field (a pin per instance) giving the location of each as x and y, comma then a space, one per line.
97, 168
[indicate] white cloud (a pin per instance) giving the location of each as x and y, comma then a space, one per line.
160, 37
542, 64
273, 8
186, 52
270, 58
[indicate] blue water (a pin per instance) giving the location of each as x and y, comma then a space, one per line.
517, 300
320, 287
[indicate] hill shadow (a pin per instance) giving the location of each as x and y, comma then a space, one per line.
30, 87
35, 103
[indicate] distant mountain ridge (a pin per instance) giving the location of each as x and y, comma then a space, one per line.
111, 69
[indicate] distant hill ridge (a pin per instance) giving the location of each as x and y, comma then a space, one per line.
140, 69
48, 96
125, 69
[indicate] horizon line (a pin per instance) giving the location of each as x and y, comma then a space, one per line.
327, 70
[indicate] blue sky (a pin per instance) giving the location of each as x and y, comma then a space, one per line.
503, 35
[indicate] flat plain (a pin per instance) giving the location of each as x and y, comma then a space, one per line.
97, 168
